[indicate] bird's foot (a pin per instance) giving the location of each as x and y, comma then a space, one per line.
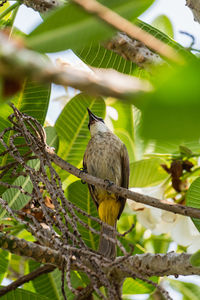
82, 170
109, 182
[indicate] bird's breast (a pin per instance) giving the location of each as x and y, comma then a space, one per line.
102, 157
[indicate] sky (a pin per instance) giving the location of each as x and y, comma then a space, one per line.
182, 20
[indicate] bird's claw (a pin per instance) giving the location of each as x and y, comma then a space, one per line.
82, 170
110, 183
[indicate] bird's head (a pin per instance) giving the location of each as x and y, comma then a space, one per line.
96, 124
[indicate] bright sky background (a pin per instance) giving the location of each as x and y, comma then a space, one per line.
182, 20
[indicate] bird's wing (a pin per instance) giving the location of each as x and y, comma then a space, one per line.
90, 186
125, 175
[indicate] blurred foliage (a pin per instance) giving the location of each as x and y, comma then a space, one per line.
160, 129
164, 24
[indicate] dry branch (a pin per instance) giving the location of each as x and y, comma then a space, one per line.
26, 278
151, 201
17, 63
144, 264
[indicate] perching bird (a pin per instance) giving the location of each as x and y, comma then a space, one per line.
106, 157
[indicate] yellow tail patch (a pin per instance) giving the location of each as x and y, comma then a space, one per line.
109, 210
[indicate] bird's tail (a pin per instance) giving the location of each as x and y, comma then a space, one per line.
106, 247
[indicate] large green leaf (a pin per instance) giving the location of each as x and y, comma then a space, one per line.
125, 117
188, 290
125, 138
171, 113
72, 128
71, 27
97, 56
22, 295
78, 194
193, 199
4, 261
124, 125
147, 172
165, 38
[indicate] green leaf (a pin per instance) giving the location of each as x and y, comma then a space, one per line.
33, 100
166, 39
188, 290
4, 261
72, 28
147, 172
97, 56
124, 125
171, 112
78, 194
136, 286
22, 295
49, 285
193, 199
72, 128
125, 118
125, 138
13, 196
164, 24
195, 259
52, 137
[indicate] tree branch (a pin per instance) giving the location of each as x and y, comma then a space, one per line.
26, 278
160, 264
125, 193
128, 48
144, 264
15, 63
116, 21
133, 50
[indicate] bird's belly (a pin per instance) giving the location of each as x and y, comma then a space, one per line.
105, 165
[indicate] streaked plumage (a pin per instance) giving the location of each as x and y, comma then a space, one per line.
106, 157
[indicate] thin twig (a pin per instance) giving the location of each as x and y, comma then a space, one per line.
26, 278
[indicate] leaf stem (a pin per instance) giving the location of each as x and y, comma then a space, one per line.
9, 9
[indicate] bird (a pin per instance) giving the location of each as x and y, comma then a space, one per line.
106, 157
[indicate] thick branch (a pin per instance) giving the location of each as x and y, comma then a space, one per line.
144, 264
17, 63
26, 278
125, 193
133, 31
160, 264
39, 253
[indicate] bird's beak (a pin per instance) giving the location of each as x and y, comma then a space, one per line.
92, 117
